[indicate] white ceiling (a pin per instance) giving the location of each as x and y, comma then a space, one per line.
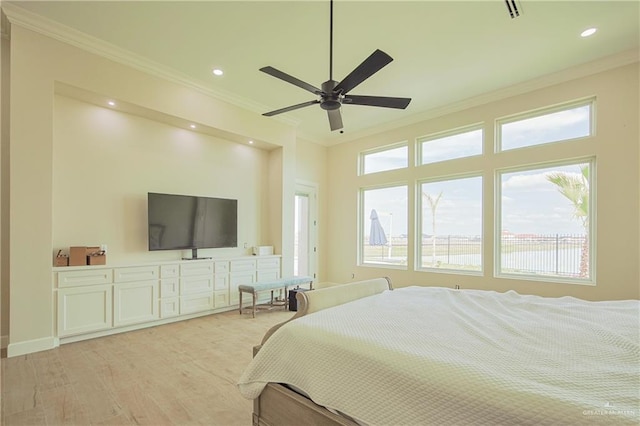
444, 51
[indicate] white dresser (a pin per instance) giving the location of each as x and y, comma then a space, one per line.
96, 300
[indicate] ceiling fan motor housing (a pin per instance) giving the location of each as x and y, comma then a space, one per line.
330, 100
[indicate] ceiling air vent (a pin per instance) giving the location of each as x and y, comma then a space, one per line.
513, 8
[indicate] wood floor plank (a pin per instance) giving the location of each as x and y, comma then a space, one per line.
62, 407
183, 373
20, 386
32, 416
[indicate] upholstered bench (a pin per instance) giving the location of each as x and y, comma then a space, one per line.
272, 285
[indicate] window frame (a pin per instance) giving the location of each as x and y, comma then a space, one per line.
421, 140
363, 154
418, 226
497, 237
539, 112
362, 222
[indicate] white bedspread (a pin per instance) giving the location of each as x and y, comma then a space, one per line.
429, 355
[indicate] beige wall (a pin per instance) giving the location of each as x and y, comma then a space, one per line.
45, 140
615, 146
105, 162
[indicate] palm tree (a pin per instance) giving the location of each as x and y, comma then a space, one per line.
576, 190
433, 204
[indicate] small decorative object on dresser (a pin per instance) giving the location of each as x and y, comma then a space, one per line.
61, 259
263, 250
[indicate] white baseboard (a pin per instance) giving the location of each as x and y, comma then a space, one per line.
4, 342
30, 346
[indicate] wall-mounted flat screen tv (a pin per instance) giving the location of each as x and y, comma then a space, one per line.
179, 222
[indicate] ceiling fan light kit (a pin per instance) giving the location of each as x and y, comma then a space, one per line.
333, 94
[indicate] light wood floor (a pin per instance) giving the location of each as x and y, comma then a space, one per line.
177, 374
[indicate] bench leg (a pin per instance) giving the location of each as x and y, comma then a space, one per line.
254, 304
240, 297
286, 298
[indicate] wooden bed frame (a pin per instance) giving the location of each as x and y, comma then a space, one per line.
278, 405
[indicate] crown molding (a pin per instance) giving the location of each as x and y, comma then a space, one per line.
55, 30
5, 26
568, 74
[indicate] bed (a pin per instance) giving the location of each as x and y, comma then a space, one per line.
361, 354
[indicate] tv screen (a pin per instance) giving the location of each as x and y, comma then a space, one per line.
179, 222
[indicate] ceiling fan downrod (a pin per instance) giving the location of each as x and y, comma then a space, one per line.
331, 41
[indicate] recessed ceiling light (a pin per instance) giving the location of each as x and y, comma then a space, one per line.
217, 71
250, 142
111, 103
193, 126
588, 32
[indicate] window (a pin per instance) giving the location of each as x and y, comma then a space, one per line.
451, 224
383, 224
448, 146
545, 222
569, 122
393, 158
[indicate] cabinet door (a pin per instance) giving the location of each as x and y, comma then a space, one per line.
84, 309
236, 279
135, 302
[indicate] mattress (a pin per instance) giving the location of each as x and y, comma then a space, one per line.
429, 355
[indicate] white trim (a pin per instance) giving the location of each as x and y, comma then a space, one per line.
30, 346
310, 190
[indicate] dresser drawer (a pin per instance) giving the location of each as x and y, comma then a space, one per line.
169, 287
190, 285
221, 267
196, 303
169, 271
271, 263
85, 277
196, 268
138, 273
243, 265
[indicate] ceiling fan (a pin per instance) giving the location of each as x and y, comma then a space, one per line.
334, 94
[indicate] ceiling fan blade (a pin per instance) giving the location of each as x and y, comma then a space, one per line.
335, 119
377, 101
290, 79
290, 108
374, 63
